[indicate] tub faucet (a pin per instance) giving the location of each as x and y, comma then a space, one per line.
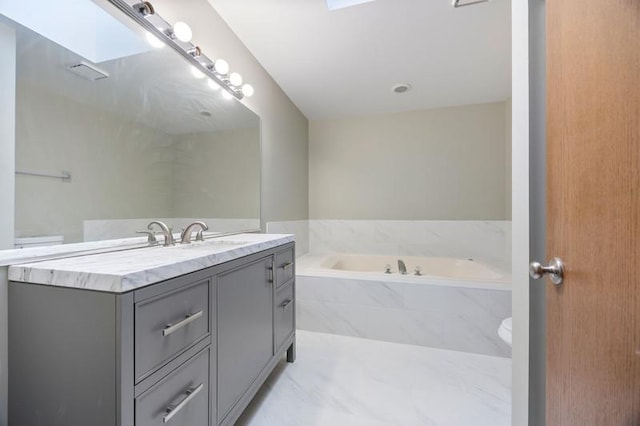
166, 231
402, 268
185, 238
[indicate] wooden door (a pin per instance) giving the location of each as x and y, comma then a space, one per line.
593, 211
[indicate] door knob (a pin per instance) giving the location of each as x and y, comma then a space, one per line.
555, 270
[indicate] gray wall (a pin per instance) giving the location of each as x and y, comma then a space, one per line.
438, 164
7, 146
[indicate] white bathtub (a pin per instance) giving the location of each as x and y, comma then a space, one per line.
456, 304
430, 267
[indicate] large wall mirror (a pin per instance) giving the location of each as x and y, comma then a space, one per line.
112, 132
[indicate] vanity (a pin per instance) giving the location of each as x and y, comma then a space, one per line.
181, 335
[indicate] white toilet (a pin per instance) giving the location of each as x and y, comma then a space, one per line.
504, 331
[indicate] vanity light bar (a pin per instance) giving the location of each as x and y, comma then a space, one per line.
178, 37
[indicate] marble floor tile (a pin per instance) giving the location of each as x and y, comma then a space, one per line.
339, 380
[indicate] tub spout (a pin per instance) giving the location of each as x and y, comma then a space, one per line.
402, 267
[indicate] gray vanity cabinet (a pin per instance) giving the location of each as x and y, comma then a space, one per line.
189, 351
253, 332
245, 330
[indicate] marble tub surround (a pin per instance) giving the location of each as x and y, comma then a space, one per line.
489, 241
127, 270
440, 313
339, 380
300, 228
447, 317
95, 230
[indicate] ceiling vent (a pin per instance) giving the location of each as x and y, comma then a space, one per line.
88, 72
462, 3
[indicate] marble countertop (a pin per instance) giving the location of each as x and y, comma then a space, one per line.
127, 270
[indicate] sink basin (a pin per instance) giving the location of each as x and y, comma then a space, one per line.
212, 244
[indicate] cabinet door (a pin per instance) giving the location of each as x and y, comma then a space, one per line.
245, 329
284, 313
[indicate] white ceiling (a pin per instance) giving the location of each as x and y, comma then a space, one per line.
343, 63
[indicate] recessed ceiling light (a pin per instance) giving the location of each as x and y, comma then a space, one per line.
401, 88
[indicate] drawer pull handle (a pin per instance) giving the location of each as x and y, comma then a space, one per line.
286, 303
287, 265
170, 328
173, 410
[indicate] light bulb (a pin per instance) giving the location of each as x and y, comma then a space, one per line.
196, 72
221, 66
235, 79
213, 85
154, 41
227, 95
182, 32
247, 90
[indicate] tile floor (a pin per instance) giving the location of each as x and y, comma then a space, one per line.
338, 380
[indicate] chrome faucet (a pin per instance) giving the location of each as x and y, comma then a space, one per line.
166, 231
151, 237
185, 238
402, 268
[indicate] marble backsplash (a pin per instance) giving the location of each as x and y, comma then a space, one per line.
300, 228
96, 230
485, 240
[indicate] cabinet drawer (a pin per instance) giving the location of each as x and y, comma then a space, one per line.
181, 398
284, 311
167, 324
285, 266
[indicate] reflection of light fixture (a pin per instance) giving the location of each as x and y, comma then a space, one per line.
144, 8
221, 66
182, 32
235, 79
178, 37
247, 90
196, 72
154, 41
194, 51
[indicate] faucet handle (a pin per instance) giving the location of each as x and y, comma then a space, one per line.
200, 235
151, 237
